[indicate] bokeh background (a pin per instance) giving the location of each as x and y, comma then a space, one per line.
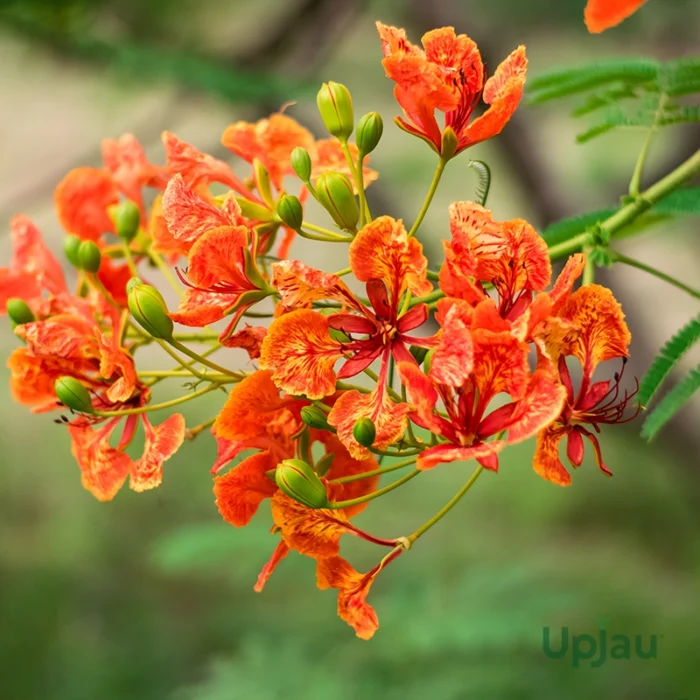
151, 596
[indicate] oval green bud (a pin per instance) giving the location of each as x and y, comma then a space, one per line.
335, 105
19, 312
89, 257
314, 417
300, 482
369, 130
127, 219
133, 282
73, 394
71, 244
301, 163
364, 431
335, 193
148, 307
289, 209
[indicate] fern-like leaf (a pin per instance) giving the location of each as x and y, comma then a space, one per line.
685, 202
681, 77
671, 404
568, 228
664, 362
616, 118
484, 173
683, 115
605, 99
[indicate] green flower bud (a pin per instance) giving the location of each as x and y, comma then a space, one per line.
364, 431
133, 282
148, 307
89, 257
449, 143
314, 417
300, 482
262, 182
71, 244
325, 463
127, 219
19, 312
418, 353
73, 394
335, 105
290, 211
336, 195
369, 131
301, 163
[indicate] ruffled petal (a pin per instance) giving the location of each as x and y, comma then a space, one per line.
300, 349
604, 14
546, 462
500, 364
118, 365
217, 258
249, 339
281, 551
200, 307
162, 442
453, 359
440, 454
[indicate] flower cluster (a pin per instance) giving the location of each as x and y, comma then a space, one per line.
385, 359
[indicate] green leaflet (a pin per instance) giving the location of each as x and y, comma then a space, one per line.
664, 362
484, 173
671, 404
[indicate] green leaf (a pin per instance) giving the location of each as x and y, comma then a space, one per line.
484, 173
576, 80
664, 362
681, 77
604, 99
568, 228
615, 118
683, 115
685, 202
671, 404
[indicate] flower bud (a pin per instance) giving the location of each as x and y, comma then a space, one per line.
126, 220
336, 195
19, 312
71, 244
369, 131
262, 182
148, 307
335, 105
364, 431
449, 143
301, 163
314, 417
89, 257
300, 482
290, 211
73, 394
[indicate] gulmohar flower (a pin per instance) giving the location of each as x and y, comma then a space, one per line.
604, 14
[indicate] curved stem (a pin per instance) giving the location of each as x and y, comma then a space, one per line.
618, 257
191, 433
429, 197
130, 262
323, 231
358, 177
636, 180
203, 360
158, 406
446, 508
374, 472
375, 494
158, 261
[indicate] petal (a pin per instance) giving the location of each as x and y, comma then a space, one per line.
299, 348
196, 167
281, 551
163, 240
314, 532
460, 59
162, 442
453, 359
299, 285
82, 199
388, 417
604, 334
353, 608
217, 257
503, 91
243, 488
561, 290
546, 462
200, 307
500, 364
249, 339
424, 398
250, 406
115, 361
525, 265
452, 453
574, 448
65, 336
189, 216
604, 14
382, 250
104, 469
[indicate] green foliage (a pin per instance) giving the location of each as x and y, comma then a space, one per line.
631, 93
565, 229
484, 173
664, 362
685, 202
671, 404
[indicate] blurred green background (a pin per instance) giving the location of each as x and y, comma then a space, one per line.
151, 596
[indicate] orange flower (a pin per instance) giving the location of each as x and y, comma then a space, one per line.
469, 368
82, 199
448, 75
591, 328
603, 14
33, 268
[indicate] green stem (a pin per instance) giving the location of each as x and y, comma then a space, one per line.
323, 231
429, 197
618, 257
446, 508
588, 276
158, 261
164, 374
375, 494
203, 360
191, 433
428, 298
374, 472
158, 406
358, 177
635, 182
130, 262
